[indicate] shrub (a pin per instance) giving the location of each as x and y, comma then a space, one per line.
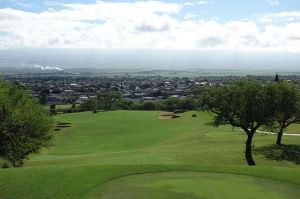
5, 165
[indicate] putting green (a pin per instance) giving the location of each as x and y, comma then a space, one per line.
194, 185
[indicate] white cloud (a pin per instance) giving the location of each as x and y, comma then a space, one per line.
281, 17
24, 5
51, 3
188, 3
192, 3
273, 2
143, 24
203, 2
189, 16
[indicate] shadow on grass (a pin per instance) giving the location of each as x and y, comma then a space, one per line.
289, 153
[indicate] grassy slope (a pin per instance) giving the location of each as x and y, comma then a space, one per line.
102, 146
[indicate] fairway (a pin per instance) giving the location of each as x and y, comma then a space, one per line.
130, 154
194, 185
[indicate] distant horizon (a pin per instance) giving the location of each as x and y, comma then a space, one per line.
153, 34
149, 58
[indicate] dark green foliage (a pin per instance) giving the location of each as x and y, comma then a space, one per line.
171, 104
44, 96
52, 109
107, 100
90, 104
276, 78
287, 101
24, 125
5, 165
168, 105
246, 104
123, 105
149, 106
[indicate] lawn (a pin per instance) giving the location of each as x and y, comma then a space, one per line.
176, 158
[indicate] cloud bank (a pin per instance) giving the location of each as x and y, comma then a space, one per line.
145, 24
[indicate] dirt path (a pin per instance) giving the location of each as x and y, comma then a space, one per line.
271, 133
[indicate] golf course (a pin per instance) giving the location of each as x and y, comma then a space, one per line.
139, 154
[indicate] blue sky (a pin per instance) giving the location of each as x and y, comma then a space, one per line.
252, 25
223, 10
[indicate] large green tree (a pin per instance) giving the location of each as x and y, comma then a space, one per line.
108, 99
287, 106
90, 104
24, 125
245, 104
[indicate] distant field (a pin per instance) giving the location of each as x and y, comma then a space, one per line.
88, 158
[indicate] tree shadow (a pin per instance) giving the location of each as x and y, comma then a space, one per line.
289, 153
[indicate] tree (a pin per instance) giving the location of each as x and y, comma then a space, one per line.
43, 98
108, 99
24, 125
287, 106
277, 78
52, 108
90, 104
170, 104
245, 104
149, 106
123, 104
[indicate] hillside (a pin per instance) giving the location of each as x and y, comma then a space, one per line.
92, 149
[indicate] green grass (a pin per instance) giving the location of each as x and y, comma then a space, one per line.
294, 128
99, 148
195, 185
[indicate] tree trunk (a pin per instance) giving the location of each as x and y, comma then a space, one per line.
279, 136
248, 152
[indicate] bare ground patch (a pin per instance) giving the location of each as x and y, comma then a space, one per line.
167, 115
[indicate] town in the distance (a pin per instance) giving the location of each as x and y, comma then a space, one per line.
52, 85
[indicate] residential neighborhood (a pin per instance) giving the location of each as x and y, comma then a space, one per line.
76, 89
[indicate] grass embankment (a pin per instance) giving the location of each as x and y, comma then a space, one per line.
107, 145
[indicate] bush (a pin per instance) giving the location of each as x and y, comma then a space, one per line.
5, 165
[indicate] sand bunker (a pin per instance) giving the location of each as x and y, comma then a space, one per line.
167, 115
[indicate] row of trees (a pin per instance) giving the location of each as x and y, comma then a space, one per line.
113, 101
251, 105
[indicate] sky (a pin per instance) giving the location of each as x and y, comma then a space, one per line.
208, 25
